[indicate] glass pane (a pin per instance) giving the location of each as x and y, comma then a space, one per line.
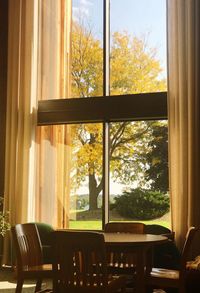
139, 172
70, 176
138, 46
86, 46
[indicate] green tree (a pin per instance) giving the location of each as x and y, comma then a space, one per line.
134, 69
157, 158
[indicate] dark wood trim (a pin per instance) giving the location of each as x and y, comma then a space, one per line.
3, 85
103, 109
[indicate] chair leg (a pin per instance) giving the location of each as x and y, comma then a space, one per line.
19, 285
38, 285
123, 289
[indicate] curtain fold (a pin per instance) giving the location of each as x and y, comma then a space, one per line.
38, 69
19, 124
20, 117
53, 142
184, 114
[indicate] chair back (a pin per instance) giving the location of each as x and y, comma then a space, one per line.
79, 262
191, 247
115, 257
159, 230
45, 233
191, 256
125, 227
167, 254
27, 245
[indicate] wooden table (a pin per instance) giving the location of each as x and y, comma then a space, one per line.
141, 245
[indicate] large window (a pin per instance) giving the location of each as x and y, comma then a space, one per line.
103, 130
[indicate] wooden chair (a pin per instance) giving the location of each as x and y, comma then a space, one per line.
165, 278
79, 264
165, 255
118, 261
29, 257
125, 227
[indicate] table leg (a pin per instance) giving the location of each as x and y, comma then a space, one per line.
149, 260
140, 271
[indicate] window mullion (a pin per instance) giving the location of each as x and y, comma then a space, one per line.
106, 92
106, 49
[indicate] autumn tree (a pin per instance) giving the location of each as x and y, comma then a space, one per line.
87, 63
134, 69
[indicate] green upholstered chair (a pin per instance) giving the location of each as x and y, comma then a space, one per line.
45, 232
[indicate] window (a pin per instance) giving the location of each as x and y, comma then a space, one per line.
103, 130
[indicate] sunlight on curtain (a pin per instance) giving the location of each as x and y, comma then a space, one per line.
184, 114
53, 143
38, 64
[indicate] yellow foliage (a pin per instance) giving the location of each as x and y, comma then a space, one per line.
135, 68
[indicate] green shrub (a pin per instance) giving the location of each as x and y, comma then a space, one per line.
142, 204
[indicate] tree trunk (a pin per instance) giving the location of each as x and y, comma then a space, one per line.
93, 193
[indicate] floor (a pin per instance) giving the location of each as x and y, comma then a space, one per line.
8, 282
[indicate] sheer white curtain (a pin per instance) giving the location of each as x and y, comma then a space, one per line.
184, 113
53, 143
38, 68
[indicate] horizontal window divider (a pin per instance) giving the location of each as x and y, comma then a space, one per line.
145, 106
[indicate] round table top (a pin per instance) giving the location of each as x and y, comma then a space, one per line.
133, 239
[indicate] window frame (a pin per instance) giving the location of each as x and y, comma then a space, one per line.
105, 109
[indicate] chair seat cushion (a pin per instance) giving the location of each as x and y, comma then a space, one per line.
164, 273
44, 270
164, 278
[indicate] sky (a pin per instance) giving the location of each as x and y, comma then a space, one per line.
137, 17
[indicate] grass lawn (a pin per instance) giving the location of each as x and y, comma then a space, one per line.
91, 220
97, 225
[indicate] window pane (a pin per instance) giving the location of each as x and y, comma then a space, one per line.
87, 51
139, 171
138, 46
70, 176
